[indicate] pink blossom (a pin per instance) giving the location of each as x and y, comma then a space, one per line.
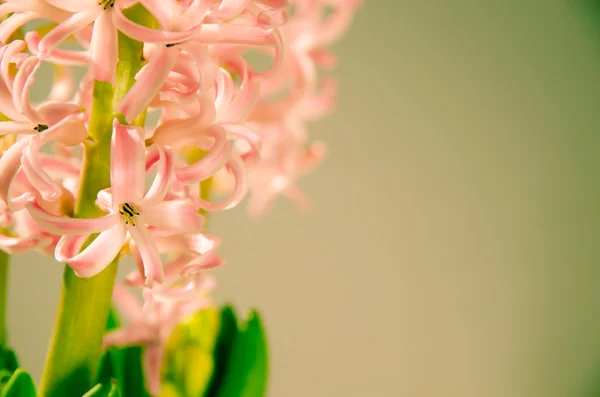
152, 324
129, 209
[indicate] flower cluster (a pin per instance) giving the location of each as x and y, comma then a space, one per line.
217, 115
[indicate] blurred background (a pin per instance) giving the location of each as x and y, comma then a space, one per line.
453, 246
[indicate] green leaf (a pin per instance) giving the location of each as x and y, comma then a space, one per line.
123, 364
113, 321
227, 332
8, 359
189, 360
19, 385
105, 389
247, 370
106, 369
128, 368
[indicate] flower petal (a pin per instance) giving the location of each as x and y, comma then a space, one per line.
153, 269
129, 336
210, 33
236, 165
127, 303
12, 127
152, 363
10, 25
70, 131
246, 133
63, 225
127, 163
229, 9
10, 162
147, 35
20, 245
179, 215
71, 25
148, 82
56, 55
164, 175
212, 161
21, 85
95, 257
104, 53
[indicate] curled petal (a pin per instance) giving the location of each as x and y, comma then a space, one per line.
20, 245
127, 164
95, 257
153, 270
10, 25
280, 52
63, 225
52, 113
179, 215
20, 93
164, 175
71, 25
147, 35
212, 161
182, 291
247, 95
10, 162
148, 82
184, 131
236, 165
56, 55
11, 51
202, 263
234, 34
242, 131
72, 131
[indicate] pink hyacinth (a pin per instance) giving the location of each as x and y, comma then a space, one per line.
246, 125
151, 325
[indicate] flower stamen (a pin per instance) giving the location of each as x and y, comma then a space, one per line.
107, 4
128, 212
40, 127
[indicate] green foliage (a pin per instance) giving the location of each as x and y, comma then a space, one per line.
227, 333
247, 363
20, 384
8, 365
8, 360
104, 389
123, 364
212, 354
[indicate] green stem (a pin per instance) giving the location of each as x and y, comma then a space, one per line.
76, 343
4, 259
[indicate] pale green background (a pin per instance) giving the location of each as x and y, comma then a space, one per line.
453, 247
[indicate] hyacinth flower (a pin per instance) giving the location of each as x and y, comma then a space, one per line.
87, 179
130, 211
151, 324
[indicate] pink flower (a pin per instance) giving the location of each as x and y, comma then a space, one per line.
192, 254
130, 211
49, 121
152, 325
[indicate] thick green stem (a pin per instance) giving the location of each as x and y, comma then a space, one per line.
76, 343
4, 259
